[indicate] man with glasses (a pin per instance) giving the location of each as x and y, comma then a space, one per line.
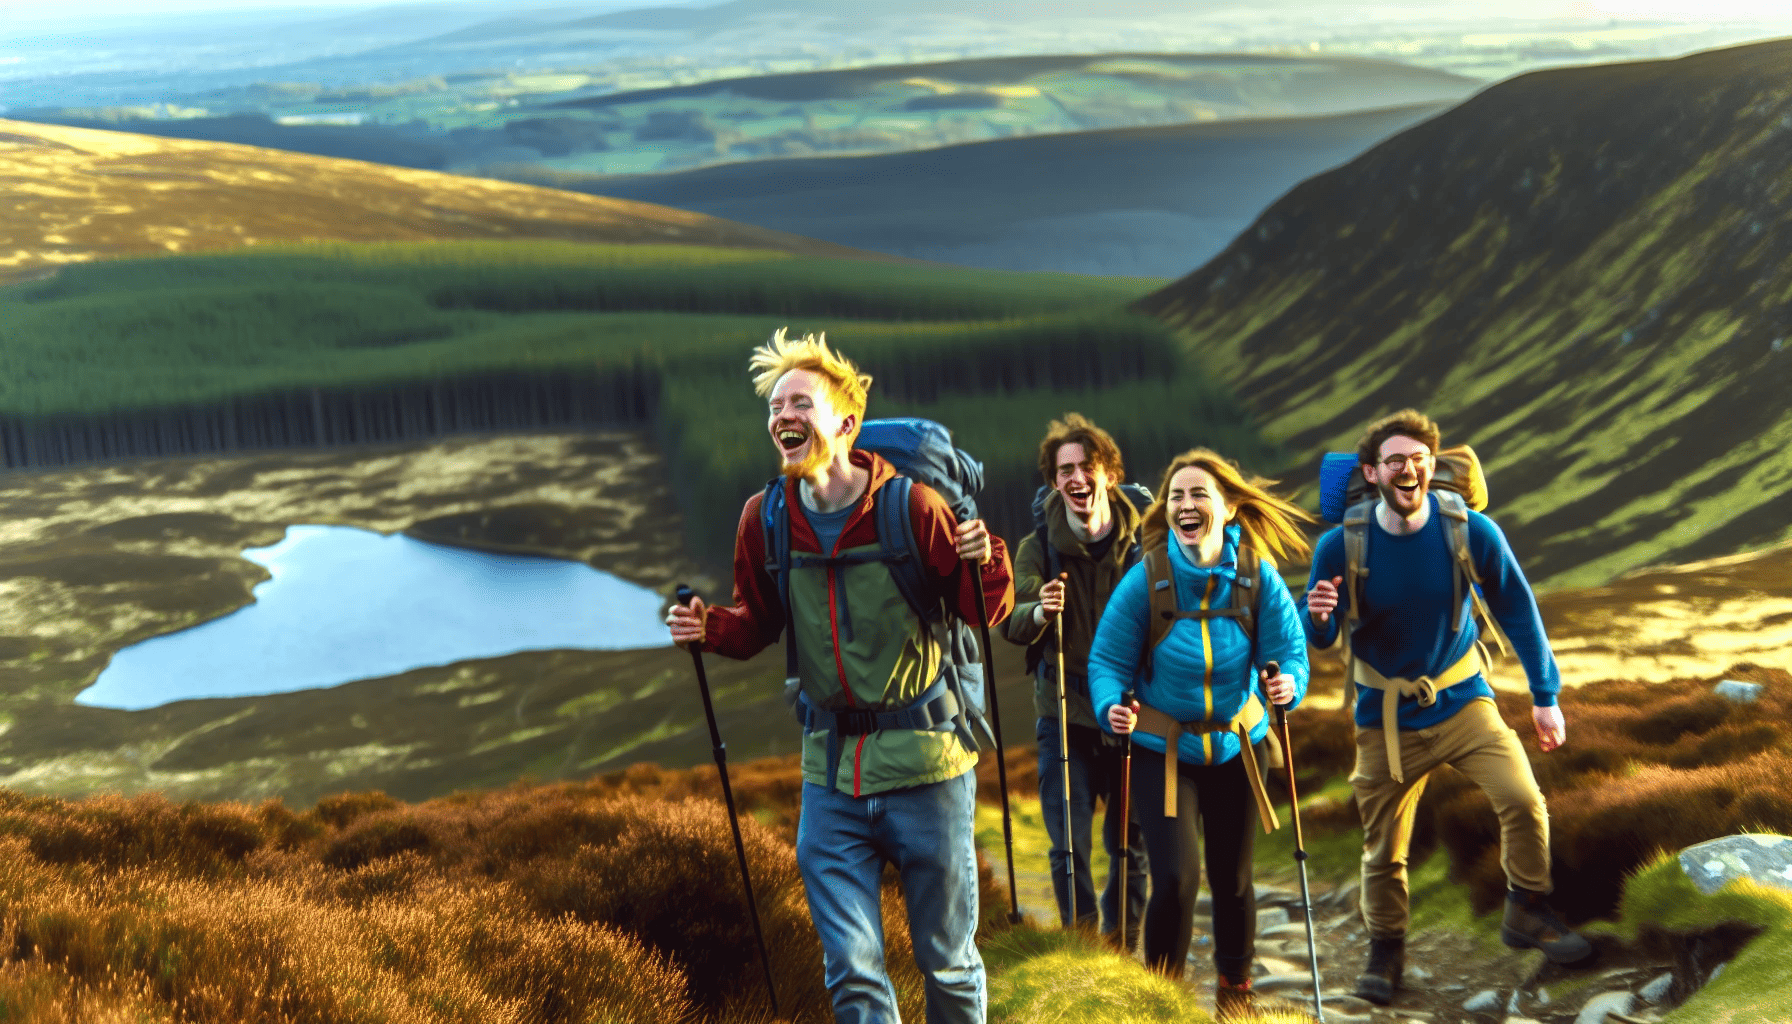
1422, 694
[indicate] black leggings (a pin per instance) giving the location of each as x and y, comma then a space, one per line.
1215, 802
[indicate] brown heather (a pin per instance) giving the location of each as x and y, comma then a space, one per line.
618, 898
1647, 767
614, 900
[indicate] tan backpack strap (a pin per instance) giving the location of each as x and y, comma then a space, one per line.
1158, 723
1456, 525
1356, 566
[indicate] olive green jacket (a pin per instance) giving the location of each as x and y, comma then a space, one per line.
1086, 597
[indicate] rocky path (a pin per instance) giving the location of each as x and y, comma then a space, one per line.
1450, 978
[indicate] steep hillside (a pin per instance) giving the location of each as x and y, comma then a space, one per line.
1124, 201
1584, 273
74, 195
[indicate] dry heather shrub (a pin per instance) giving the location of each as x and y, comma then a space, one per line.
113, 831
768, 788
671, 879
32, 992
377, 835
568, 970
518, 830
284, 829
1647, 767
339, 810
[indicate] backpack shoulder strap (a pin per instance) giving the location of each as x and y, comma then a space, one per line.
1455, 512
1247, 592
774, 519
1161, 601
901, 551
1054, 564
1356, 566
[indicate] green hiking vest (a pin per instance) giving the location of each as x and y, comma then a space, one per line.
853, 620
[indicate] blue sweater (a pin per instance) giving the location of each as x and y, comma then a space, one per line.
1405, 630
1181, 685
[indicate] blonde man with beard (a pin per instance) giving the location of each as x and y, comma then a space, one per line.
885, 777
1422, 696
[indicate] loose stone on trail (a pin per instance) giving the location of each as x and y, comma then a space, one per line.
1767, 859
1484, 1001
1606, 1002
1657, 990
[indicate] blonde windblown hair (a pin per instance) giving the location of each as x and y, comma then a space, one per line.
780, 355
1269, 524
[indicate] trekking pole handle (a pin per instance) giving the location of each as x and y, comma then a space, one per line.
1273, 669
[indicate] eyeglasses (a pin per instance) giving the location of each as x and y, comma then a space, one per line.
1398, 462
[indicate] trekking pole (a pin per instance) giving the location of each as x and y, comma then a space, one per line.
685, 595
1126, 827
995, 726
1274, 669
1064, 763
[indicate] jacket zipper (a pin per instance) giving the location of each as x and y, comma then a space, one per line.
1207, 671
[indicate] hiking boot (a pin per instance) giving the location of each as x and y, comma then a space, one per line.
1530, 924
1387, 962
1233, 1001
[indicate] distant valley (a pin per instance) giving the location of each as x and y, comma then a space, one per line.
1148, 202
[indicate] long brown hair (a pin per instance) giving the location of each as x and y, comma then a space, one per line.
1269, 524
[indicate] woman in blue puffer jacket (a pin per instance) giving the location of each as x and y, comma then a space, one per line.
1200, 677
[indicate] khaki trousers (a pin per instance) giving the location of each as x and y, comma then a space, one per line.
1476, 742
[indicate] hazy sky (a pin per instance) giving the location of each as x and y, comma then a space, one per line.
1688, 10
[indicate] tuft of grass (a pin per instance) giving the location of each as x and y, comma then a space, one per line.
1752, 986
1059, 975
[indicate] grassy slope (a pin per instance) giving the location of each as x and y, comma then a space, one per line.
75, 195
1580, 272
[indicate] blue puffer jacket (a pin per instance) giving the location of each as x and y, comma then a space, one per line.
1181, 685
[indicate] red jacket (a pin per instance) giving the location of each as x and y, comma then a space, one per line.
756, 618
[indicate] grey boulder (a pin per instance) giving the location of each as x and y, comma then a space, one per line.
1767, 859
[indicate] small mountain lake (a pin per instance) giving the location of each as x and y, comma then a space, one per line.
347, 604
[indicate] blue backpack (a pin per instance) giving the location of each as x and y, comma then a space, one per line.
919, 450
1138, 494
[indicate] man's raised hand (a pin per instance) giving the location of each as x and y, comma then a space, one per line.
1322, 600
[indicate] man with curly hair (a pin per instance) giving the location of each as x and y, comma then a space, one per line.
1406, 572
1090, 536
886, 777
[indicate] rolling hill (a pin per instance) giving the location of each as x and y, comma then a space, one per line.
1131, 201
1582, 272
75, 195
608, 121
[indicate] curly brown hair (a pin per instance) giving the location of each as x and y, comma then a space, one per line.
1405, 423
1268, 524
1098, 444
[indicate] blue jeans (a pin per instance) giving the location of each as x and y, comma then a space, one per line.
1095, 771
928, 833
